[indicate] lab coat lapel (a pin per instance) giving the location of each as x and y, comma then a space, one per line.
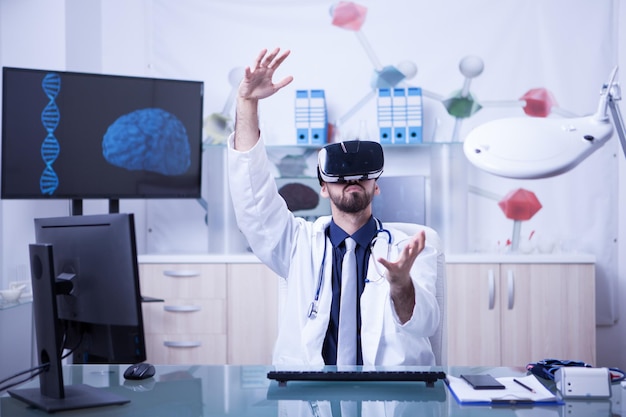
314, 330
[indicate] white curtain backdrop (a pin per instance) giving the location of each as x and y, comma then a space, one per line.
566, 46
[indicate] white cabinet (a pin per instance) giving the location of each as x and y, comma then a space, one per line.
224, 309
213, 313
515, 313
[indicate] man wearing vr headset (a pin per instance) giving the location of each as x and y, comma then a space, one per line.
396, 313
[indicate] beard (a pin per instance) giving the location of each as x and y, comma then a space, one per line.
353, 202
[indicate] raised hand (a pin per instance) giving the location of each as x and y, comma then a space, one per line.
398, 272
257, 82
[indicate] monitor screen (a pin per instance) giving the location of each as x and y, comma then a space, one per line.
81, 135
97, 285
401, 199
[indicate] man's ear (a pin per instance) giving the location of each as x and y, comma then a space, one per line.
376, 188
324, 190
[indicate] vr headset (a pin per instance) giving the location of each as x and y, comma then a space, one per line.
351, 160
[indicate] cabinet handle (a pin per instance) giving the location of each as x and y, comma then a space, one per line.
492, 289
186, 273
172, 344
182, 309
511, 288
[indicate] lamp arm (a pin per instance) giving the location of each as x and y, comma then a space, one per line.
618, 121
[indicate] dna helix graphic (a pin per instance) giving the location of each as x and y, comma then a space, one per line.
50, 116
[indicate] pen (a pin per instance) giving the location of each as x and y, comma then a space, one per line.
524, 385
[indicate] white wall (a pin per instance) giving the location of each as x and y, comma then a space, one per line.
114, 36
612, 339
32, 34
55, 34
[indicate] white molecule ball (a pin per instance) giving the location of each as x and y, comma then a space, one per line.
471, 66
235, 76
408, 69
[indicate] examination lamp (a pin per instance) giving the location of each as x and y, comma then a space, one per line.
531, 148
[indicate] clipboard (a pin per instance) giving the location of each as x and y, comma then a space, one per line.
528, 390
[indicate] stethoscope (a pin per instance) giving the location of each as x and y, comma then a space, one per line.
313, 307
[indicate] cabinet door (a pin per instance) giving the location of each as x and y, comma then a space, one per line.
473, 314
252, 314
548, 311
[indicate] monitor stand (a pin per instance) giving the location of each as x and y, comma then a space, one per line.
52, 395
77, 206
75, 397
114, 205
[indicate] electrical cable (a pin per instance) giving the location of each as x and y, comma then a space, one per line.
72, 349
547, 368
37, 369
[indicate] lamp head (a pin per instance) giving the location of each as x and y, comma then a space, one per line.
531, 148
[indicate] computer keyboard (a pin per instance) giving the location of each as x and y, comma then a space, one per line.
429, 377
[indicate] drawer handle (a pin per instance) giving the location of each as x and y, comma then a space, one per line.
172, 344
184, 273
492, 289
182, 309
511, 289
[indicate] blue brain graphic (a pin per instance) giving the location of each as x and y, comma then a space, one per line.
148, 139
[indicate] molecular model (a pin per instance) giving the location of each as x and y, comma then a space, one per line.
460, 104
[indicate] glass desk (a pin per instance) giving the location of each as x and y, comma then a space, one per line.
205, 390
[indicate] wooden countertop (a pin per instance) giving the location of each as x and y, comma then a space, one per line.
482, 258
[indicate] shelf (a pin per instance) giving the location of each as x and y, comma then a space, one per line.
239, 258
384, 145
5, 305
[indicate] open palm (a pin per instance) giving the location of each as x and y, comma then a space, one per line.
257, 82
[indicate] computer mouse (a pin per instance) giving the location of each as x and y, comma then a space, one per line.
139, 371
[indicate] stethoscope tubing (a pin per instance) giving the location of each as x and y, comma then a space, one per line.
313, 307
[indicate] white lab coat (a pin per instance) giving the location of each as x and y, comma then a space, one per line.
293, 248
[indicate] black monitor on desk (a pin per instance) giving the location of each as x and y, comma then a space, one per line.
86, 298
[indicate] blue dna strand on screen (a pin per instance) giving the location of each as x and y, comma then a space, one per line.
50, 116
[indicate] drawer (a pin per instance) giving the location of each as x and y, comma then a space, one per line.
185, 316
186, 349
183, 281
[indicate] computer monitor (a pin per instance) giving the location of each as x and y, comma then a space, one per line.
86, 298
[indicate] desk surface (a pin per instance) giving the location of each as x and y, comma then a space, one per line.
203, 390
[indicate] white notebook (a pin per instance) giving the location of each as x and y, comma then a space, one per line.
513, 393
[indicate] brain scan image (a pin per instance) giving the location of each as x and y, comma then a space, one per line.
148, 139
